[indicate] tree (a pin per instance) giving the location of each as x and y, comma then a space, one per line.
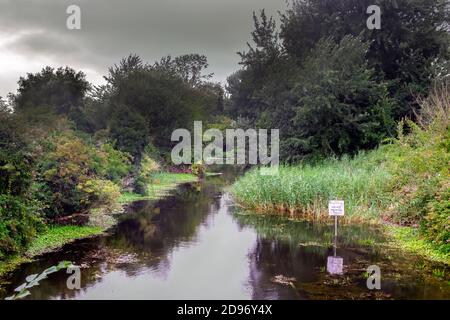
283, 84
53, 92
60, 89
130, 132
16, 161
413, 34
188, 67
168, 95
68, 177
19, 215
340, 107
259, 88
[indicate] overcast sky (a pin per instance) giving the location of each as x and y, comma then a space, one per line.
33, 34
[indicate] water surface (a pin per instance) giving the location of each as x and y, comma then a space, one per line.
196, 245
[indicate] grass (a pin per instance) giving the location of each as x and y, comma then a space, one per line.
57, 236
162, 184
409, 239
53, 238
306, 189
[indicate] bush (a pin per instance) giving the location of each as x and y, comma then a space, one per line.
71, 175
419, 163
110, 163
143, 178
436, 224
19, 223
101, 192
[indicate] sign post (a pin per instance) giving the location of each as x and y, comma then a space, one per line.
336, 209
335, 264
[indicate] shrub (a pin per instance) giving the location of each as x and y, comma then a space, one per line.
149, 167
19, 223
110, 163
143, 178
436, 224
101, 192
65, 164
72, 175
419, 163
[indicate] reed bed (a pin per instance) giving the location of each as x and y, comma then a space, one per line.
304, 190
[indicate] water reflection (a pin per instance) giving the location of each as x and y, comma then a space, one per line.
195, 245
335, 264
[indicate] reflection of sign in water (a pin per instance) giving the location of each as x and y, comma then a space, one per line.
336, 208
335, 265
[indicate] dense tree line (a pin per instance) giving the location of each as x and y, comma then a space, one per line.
331, 85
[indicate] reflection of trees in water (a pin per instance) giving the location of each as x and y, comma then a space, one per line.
270, 258
144, 238
309, 233
298, 250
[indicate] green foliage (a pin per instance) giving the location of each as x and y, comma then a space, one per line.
188, 67
331, 85
413, 35
69, 176
19, 216
340, 107
56, 236
436, 224
19, 223
16, 162
421, 172
61, 91
129, 130
143, 176
167, 95
408, 238
111, 164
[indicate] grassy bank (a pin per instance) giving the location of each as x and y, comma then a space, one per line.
57, 236
409, 239
404, 182
51, 239
162, 184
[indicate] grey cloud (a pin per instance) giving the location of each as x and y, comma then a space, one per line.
112, 29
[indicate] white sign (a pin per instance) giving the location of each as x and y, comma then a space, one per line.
335, 265
336, 208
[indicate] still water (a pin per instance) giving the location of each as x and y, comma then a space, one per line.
196, 244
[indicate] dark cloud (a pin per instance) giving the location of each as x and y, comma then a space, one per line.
35, 31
